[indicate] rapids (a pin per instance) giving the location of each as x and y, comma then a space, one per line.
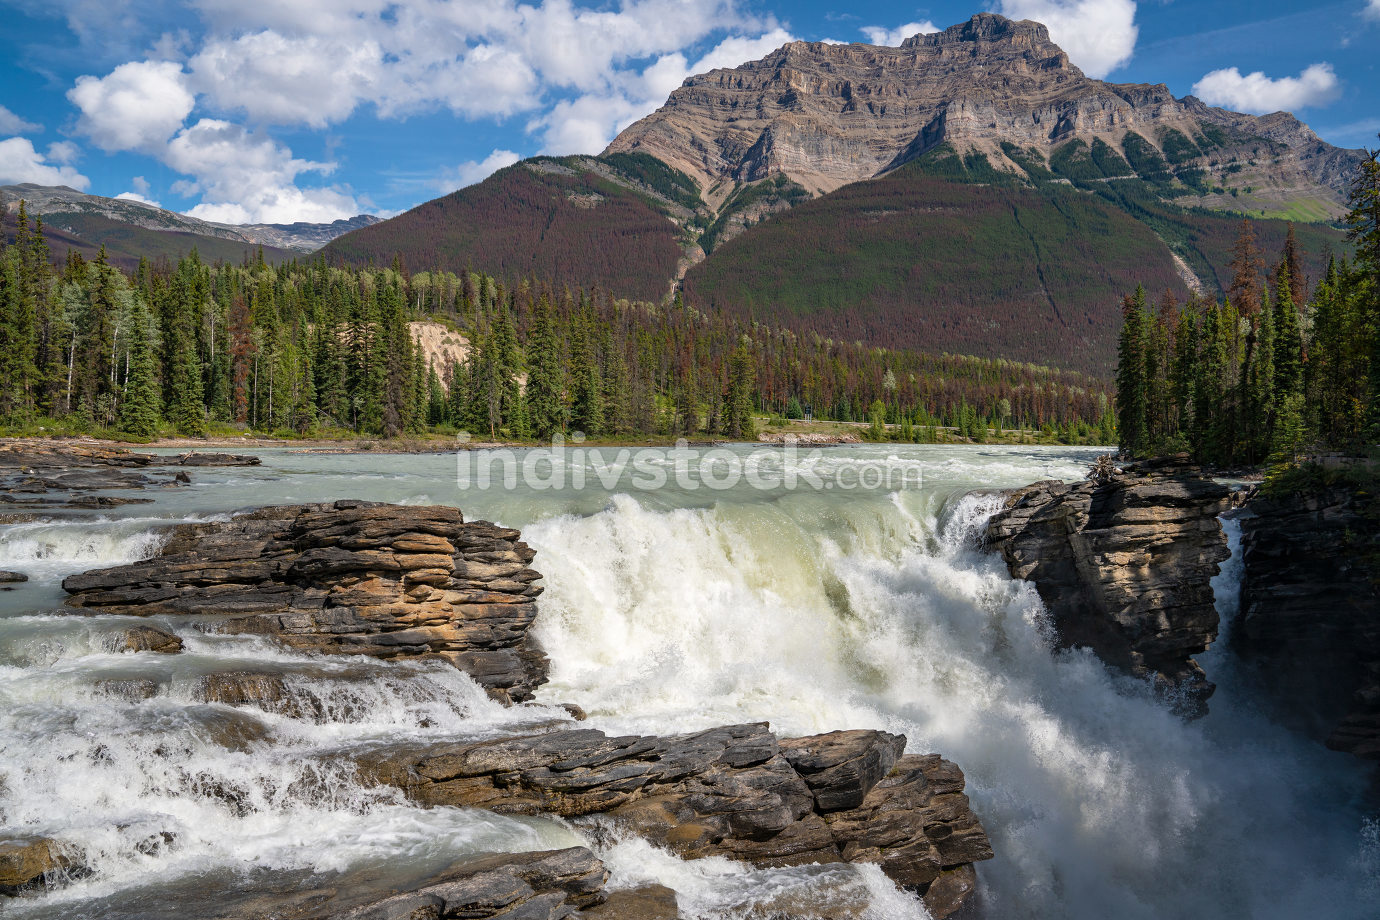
668, 610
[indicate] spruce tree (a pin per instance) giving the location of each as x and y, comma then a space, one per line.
1130, 378
139, 407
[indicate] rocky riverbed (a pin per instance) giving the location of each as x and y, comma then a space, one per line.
421, 583
749, 663
40, 475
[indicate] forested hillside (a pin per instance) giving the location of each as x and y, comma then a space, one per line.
314, 348
951, 254
1283, 364
557, 219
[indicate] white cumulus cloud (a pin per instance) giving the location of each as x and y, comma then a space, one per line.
880, 35
247, 178
137, 106
472, 171
140, 193
1098, 35
20, 162
11, 123
1372, 10
577, 72
1259, 95
587, 123
279, 80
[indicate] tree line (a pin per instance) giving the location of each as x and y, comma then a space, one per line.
310, 347
1279, 366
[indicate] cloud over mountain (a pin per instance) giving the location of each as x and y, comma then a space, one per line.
1259, 95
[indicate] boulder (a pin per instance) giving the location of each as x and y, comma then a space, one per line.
734, 791
29, 865
144, 639
348, 577
12, 578
1124, 564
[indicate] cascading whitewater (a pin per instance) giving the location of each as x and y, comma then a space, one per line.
1093, 793
669, 611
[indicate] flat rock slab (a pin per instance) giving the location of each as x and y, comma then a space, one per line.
734, 791
348, 577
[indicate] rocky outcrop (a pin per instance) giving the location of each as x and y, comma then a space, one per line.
39, 475
1310, 611
829, 114
349, 577
1123, 565
30, 865
734, 791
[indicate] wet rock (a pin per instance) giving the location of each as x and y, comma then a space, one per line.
1310, 611
144, 639
547, 885
104, 501
8, 579
31, 865
1124, 565
199, 459
650, 902
731, 791
129, 689
237, 688
349, 577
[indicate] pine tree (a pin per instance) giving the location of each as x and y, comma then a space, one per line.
1246, 266
139, 411
1259, 377
1288, 342
1131, 387
545, 375
741, 380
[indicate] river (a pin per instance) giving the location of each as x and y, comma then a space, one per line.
666, 610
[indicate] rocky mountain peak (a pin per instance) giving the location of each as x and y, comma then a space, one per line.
824, 115
990, 28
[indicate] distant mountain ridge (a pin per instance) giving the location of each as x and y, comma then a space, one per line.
65, 208
825, 115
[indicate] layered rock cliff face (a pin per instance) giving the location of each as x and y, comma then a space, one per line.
1310, 611
734, 791
348, 577
1123, 565
826, 115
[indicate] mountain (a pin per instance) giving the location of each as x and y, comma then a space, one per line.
825, 115
130, 228
300, 236
970, 191
625, 222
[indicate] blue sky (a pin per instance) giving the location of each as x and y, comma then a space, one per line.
248, 111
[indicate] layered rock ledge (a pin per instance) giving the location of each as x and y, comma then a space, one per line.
544, 885
348, 577
734, 791
1123, 564
1310, 611
40, 475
